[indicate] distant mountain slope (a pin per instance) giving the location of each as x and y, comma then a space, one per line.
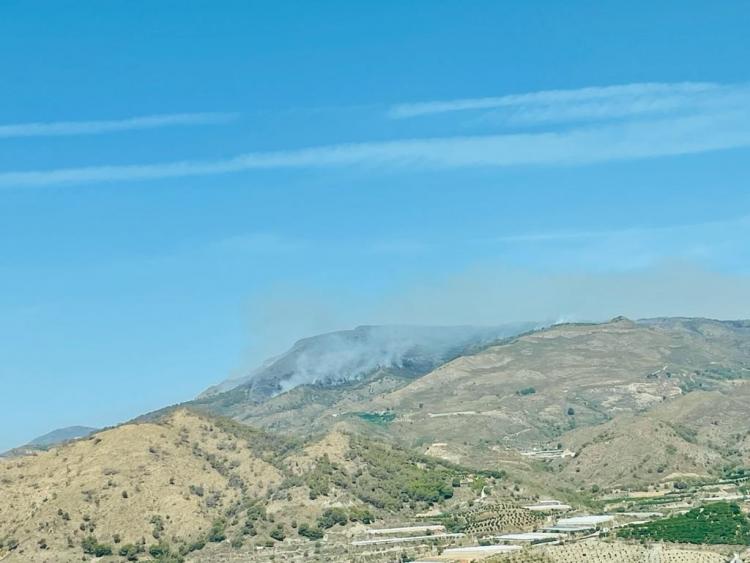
62, 435
541, 388
349, 355
547, 387
52, 438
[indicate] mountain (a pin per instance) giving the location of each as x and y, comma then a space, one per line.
545, 388
565, 385
349, 355
188, 485
53, 438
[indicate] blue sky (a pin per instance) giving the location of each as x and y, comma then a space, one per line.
187, 187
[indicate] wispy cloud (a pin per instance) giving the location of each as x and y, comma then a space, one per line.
64, 128
582, 145
572, 236
602, 103
661, 120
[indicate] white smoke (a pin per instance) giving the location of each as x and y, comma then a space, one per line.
343, 356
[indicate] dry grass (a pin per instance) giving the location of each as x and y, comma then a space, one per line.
112, 484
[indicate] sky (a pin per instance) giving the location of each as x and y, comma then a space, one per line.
186, 188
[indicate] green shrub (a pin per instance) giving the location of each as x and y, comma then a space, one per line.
256, 512
91, 546
197, 545
248, 528
331, 517
217, 533
361, 514
309, 532
379, 418
130, 552
164, 554
455, 524
278, 533
478, 485
158, 551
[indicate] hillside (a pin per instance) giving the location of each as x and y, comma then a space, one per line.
693, 435
542, 389
184, 484
547, 387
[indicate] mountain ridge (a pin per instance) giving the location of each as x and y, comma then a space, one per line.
344, 355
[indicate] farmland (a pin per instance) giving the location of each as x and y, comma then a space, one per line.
718, 523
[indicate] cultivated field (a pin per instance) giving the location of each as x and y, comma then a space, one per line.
594, 551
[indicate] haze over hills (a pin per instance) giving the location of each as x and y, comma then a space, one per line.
349, 355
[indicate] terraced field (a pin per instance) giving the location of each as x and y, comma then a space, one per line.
484, 519
499, 518
615, 552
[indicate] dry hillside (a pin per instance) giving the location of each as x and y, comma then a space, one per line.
126, 485
186, 485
